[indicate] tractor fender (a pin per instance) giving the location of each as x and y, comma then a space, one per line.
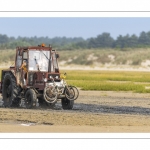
7, 71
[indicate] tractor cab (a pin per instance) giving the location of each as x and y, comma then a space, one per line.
41, 62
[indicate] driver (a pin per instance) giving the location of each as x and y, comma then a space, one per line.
24, 68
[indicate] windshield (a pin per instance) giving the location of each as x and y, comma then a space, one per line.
38, 60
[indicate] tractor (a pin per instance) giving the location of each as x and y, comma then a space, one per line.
41, 83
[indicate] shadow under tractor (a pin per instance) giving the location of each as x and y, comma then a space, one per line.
38, 81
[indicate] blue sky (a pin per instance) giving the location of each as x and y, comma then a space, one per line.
72, 27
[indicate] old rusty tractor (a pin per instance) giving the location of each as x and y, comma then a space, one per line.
41, 83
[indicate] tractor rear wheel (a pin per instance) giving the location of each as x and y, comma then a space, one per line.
30, 99
67, 104
9, 90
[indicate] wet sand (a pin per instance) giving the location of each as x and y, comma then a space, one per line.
93, 112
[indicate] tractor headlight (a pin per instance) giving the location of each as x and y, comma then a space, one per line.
45, 79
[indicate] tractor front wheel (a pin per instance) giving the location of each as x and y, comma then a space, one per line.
30, 99
67, 104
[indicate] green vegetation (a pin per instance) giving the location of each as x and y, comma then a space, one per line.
103, 40
110, 80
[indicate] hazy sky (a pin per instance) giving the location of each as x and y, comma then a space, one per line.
73, 27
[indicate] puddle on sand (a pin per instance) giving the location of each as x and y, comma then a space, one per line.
28, 124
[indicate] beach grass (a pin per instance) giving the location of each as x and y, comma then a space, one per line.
110, 80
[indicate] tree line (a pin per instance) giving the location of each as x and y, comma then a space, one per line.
103, 40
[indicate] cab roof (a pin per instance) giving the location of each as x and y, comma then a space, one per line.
39, 47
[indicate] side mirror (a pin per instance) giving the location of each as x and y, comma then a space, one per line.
56, 70
21, 52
